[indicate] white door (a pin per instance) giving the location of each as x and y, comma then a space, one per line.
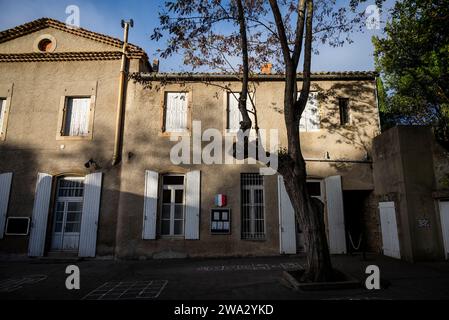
68, 213
287, 221
390, 238
444, 217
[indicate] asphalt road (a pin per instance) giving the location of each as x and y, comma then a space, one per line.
212, 279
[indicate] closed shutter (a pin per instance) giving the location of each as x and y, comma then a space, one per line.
40, 215
310, 119
313, 113
234, 114
89, 218
193, 189
2, 113
176, 112
5, 188
150, 205
335, 215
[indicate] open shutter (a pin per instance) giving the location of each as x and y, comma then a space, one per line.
335, 215
89, 218
287, 220
389, 228
193, 189
150, 205
5, 187
40, 215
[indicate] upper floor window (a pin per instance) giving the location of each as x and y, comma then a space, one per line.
176, 112
76, 117
234, 116
310, 119
172, 213
2, 113
343, 104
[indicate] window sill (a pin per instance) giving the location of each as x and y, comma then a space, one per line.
175, 133
176, 238
74, 138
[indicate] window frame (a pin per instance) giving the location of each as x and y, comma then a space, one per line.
226, 118
348, 111
161, 204
63, 117
189, 93
262, 187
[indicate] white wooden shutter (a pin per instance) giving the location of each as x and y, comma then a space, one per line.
234, 114
310, 119
89, 218
192, 215
2, 113
176, 112
444, 217
5, 188
150, 205
390, 239
335, 215
287, 221
40, 215
313, 112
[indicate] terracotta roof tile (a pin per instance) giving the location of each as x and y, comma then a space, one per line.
61, 56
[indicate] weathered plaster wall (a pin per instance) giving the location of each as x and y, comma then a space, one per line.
146, 148
404, 173
31, 146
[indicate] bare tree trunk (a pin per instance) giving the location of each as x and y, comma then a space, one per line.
292, 166
246, 123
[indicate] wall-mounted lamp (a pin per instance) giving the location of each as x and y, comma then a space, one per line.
91, 164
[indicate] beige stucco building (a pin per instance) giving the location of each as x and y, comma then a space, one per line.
59, 89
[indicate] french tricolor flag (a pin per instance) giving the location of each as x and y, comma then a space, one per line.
220, 200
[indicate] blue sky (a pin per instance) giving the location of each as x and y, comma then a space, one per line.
104, 16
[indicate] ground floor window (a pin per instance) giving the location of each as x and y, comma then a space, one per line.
68, 213
173, 205
252, 206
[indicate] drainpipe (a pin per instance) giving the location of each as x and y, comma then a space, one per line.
120, 104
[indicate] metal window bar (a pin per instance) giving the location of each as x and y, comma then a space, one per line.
252, 206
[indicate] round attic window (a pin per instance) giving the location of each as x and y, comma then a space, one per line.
45, 45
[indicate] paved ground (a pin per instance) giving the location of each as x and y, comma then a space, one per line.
206, 279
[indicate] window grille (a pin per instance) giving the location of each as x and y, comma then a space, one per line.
252, 202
